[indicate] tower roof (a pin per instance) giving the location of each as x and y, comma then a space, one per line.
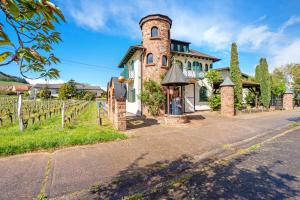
227, 82
175, 77
155, 17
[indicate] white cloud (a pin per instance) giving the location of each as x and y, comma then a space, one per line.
286, 54
214, 27
290, 22
43, 81
254, 36
88, 14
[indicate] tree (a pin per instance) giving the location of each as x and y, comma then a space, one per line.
45, 93
277, 84
212, 77
67, 90
30, 46
262, 76
236, 76
89, 96
152, 96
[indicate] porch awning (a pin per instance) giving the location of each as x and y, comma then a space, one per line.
175, 77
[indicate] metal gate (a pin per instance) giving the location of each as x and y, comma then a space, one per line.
276, 101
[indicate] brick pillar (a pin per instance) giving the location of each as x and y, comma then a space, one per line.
227, 98
120, 115
288, 101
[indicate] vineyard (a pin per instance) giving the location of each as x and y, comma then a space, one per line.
42, 121
33, 112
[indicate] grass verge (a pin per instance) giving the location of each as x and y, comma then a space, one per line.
50, 135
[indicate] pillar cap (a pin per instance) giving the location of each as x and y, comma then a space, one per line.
288, 90
227, 82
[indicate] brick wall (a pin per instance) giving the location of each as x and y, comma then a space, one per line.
288, 101
120, 115
227, 101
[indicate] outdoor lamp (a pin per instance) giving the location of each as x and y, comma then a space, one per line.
121, 79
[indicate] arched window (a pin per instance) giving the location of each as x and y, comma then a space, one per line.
164, 60
211, 66
154, 31
206, 67
195, 66
150, 58
203, 94
189, 65
201, 68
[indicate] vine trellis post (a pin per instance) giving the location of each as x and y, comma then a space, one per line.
20, 114
63, 115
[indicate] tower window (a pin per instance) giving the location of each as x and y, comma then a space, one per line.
164, 60
150, 58
154, 31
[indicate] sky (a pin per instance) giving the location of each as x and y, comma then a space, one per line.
98, 33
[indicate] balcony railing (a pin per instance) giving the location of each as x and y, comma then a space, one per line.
131, 74
128, 73
193, 73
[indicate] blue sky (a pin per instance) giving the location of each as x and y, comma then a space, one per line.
98, 33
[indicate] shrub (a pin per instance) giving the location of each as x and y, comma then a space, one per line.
215, 101
152, 96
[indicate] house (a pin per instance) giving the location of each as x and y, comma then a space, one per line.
15, 89
21, 89
54, 88
153, 58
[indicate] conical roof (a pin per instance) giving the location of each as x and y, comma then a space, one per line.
175, 77
288, 90
227, 82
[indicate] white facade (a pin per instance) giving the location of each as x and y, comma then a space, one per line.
192, 101
134, 82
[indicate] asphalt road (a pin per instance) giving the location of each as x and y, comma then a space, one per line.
269, 171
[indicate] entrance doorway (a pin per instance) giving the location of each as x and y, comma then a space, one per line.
189, 98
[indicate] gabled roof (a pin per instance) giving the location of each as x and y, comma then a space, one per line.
228, 69
22, 87
196, 54
129, 53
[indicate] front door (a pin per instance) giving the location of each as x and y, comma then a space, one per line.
189, 98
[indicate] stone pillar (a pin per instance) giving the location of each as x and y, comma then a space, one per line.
288, 101
112, 105
120, 114
227, 98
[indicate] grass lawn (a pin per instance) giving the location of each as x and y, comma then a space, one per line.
50, 135
10, 83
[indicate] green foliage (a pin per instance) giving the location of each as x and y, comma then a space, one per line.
250, 98
214, 101
89, 96
262, 76
45, 93
236, 76
9, 93
152, 96
33, 36
67, 90
213, 76
277, 85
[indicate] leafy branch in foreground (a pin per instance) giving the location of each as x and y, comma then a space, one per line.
32, 23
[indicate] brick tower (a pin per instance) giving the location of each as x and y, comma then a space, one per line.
156, 41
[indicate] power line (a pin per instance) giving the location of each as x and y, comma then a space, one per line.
93, 66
